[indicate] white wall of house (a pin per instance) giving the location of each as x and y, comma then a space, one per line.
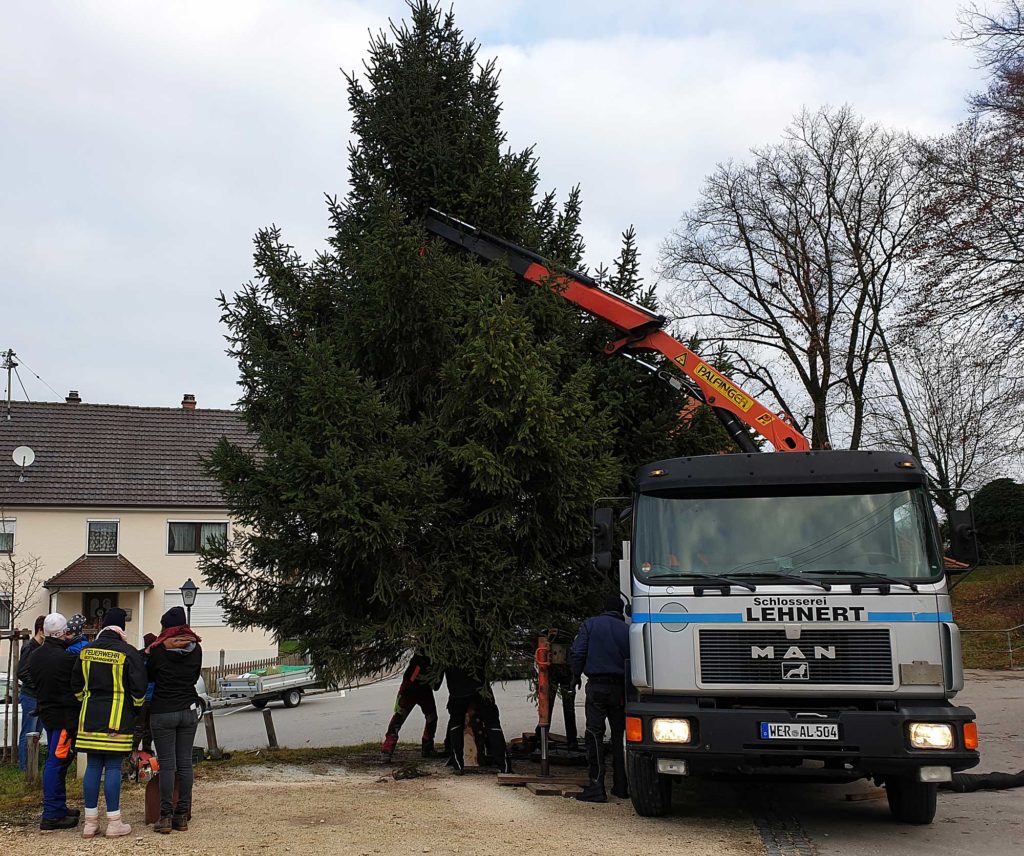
58, 536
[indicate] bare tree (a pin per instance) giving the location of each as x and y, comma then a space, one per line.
967, 412
21, 580
793, 259
971, 255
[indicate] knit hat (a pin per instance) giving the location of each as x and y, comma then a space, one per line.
55, 624
174, 617
148, 639
115, 617
76, 622
613, 603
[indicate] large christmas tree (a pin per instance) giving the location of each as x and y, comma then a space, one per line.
432, 431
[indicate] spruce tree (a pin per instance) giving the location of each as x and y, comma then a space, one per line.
431, 431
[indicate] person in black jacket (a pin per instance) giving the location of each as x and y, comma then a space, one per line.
27, 693
465, 690
49, 669
175, 661
110, 681
600, 651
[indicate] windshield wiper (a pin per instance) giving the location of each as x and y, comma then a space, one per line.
773, 575
883, 582
703, 582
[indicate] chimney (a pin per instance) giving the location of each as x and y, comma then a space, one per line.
73, 397
188, 401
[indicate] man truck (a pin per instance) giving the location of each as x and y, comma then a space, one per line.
789, 612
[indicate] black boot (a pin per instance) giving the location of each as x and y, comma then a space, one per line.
593, 793
427, 749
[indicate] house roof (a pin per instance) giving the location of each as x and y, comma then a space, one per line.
113, 455
95, 571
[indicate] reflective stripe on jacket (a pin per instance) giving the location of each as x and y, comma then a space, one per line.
110, 681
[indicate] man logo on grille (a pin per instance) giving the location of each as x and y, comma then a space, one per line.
795, 672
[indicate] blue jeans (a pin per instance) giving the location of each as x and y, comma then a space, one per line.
55, 773
28, 723
107, 765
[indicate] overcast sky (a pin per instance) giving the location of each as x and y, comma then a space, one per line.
144, 143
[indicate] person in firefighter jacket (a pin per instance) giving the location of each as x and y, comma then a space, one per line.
414, 690
110, 681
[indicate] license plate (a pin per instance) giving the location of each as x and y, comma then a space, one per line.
799, 731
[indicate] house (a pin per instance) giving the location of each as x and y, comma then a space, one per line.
115, 506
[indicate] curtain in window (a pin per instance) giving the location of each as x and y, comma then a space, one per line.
213, 532
6, 542
181, 538
5, 613
103, 537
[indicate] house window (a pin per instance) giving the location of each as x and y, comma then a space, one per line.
206, 611
102, 536
5, 613
191, 537
7, 527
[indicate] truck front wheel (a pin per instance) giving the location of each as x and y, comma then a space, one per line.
911, 801
649, 791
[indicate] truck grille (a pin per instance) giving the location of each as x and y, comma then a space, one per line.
858, 657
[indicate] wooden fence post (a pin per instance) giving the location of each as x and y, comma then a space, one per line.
212, 747
271, 733
32, 756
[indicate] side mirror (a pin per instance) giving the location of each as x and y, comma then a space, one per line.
963, 540
604, 539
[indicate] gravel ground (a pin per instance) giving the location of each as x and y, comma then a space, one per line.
310, 809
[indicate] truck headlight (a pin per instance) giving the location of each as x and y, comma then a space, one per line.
931, 735
671, 730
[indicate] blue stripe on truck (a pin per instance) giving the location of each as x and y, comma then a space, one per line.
737, 617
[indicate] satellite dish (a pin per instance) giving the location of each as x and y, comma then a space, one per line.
23, 457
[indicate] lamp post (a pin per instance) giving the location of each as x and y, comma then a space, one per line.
188, 597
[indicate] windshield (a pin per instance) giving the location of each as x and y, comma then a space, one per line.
874, 533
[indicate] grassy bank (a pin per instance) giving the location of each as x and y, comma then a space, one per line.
991, 599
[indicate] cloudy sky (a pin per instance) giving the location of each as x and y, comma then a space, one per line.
143, 143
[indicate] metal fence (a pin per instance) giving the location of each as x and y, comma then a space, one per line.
1014, 640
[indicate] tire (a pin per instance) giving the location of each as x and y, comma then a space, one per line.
259, 703
911, 801
649, 791
292, 698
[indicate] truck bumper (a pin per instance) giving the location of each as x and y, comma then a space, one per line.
870, 742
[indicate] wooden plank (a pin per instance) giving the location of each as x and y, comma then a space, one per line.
515, 779
862, 796
544, 790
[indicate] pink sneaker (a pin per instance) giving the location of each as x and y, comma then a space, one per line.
116, 828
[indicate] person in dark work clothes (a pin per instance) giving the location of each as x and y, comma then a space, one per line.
414, 690
49, 669
465, 689
600, 651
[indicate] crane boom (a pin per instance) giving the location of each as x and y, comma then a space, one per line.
641, 329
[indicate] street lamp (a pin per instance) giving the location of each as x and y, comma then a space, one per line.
188, 597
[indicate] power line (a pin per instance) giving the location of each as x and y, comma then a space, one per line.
37, 377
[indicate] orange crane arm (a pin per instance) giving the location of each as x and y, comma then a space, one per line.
641, 329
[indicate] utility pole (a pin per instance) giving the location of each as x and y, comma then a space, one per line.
10, 364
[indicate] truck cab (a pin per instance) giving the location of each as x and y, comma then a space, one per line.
789, 614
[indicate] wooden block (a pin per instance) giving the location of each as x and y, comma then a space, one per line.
557, 778
572, 791
544, 790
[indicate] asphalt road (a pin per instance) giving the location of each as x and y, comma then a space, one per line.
798, 818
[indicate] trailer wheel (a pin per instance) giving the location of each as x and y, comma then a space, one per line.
911, 801
291, 698
649, 791
259, 703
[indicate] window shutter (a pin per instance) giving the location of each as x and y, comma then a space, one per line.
205, 613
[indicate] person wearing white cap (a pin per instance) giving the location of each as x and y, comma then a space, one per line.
50, 667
